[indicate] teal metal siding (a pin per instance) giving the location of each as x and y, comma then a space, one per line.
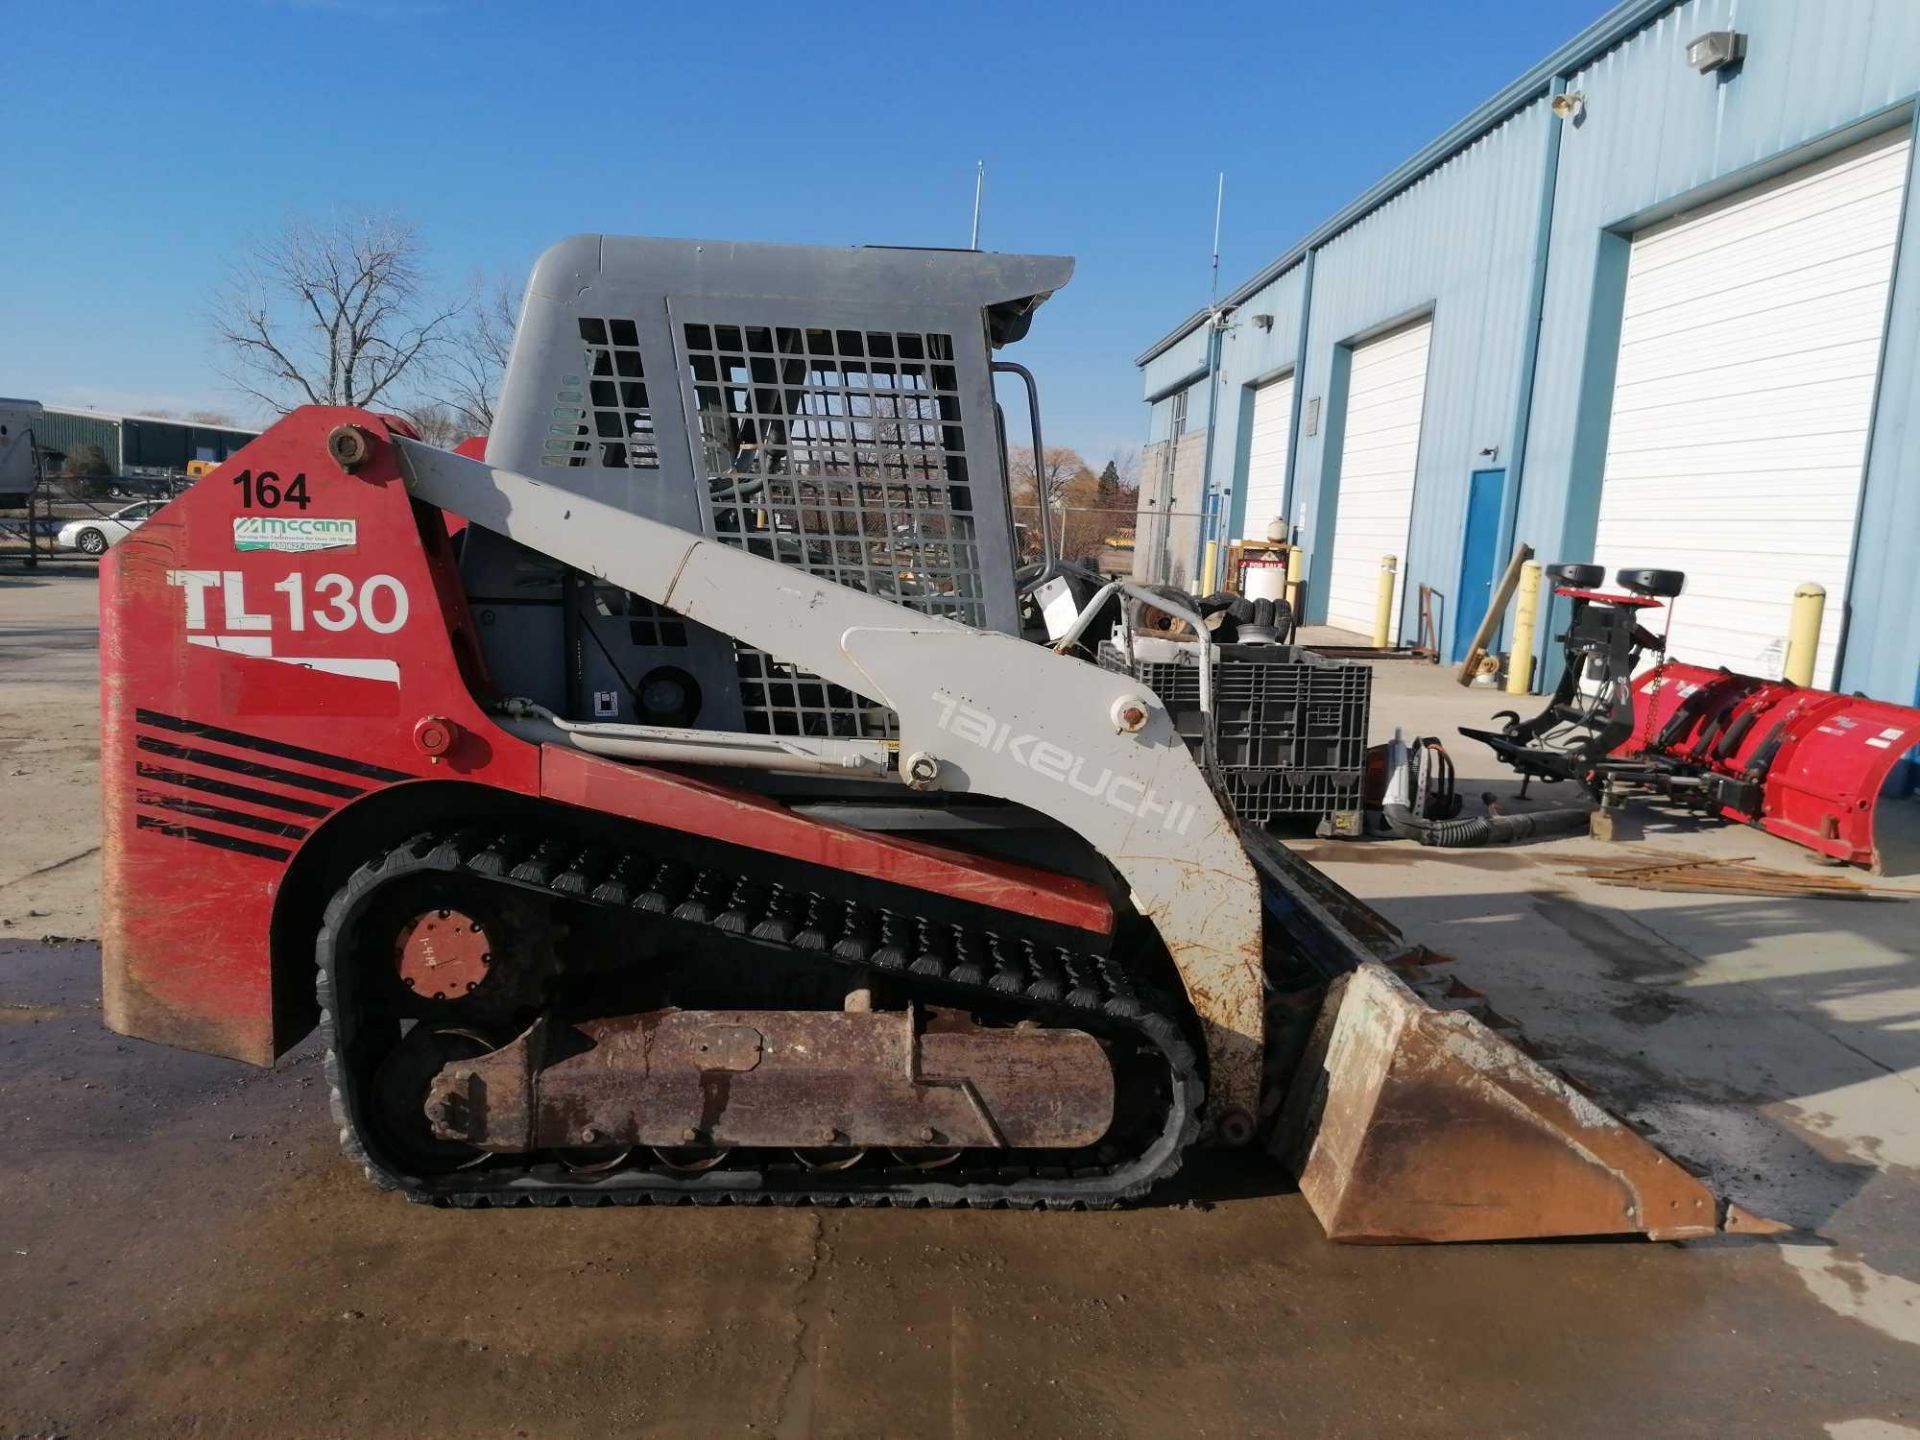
1659, 138
1250, 354
1459, 244
1459, 231
1617, 24
169, 444
1176, 364
60, 432
132, 443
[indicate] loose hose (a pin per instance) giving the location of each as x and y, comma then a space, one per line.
1478, 830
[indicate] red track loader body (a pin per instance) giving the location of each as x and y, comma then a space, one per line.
270, 690
698, 824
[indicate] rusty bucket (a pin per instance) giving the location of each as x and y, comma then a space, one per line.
1410, 1123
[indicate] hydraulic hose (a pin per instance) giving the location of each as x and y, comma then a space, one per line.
1478, 830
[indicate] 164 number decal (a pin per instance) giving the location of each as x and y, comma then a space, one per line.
265, 491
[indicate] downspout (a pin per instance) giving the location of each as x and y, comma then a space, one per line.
1530, 355
1209, 496
1299, 391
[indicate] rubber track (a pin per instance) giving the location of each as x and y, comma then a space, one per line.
946, 960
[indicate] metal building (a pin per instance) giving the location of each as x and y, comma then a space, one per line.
1657, 302
136, 444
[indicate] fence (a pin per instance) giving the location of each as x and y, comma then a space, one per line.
1101, 536
30, 533
1165, 546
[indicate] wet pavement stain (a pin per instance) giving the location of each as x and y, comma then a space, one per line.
1630, 949
1652, 1006
199, 1260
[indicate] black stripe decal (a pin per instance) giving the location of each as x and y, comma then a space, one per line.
266, 824
213, 838
188, 780
267, 747
217, 761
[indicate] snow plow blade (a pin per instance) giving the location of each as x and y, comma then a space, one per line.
1407, 1122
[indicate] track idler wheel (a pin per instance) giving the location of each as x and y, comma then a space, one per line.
400, 1089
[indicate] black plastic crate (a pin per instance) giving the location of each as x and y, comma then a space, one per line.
1260, 795
1290, 726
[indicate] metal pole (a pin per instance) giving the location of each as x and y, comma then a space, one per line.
1803, 633
1209, 492
1383, 608
34, 499
1296, 573
1526, 616
979, 185
1219, 206
1530, 342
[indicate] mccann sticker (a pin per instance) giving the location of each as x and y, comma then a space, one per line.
296, 532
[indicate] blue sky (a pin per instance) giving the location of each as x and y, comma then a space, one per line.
144, 143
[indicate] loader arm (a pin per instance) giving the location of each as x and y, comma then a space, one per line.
979, 713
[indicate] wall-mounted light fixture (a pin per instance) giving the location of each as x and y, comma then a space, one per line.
1570, 105
1717, 50
1263, 322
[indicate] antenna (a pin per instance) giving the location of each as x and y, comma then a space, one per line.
1219, 205
979, 185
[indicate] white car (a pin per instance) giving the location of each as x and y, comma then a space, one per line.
94, 534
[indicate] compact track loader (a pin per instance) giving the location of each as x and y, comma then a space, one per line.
665, 805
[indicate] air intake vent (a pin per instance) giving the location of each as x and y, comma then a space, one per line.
604, 416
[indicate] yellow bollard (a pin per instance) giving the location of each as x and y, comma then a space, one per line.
1383, 613
1520, 658
1803, 633
1296, 572
1208, 583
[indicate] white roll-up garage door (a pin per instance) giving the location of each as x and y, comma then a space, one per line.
1268, 441
1749, 349
1386, 389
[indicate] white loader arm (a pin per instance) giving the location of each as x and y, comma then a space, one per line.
980, 713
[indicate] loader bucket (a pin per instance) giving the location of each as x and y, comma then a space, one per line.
1410, 1123
1410, 1116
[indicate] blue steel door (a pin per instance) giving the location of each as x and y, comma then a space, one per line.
1477, 557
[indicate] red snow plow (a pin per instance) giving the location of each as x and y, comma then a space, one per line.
1807, 765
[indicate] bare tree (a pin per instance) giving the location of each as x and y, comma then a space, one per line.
1047, 488
474, 361
1058, 469
438, 424
219, 418
330, 314
1088, 521
87, 474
